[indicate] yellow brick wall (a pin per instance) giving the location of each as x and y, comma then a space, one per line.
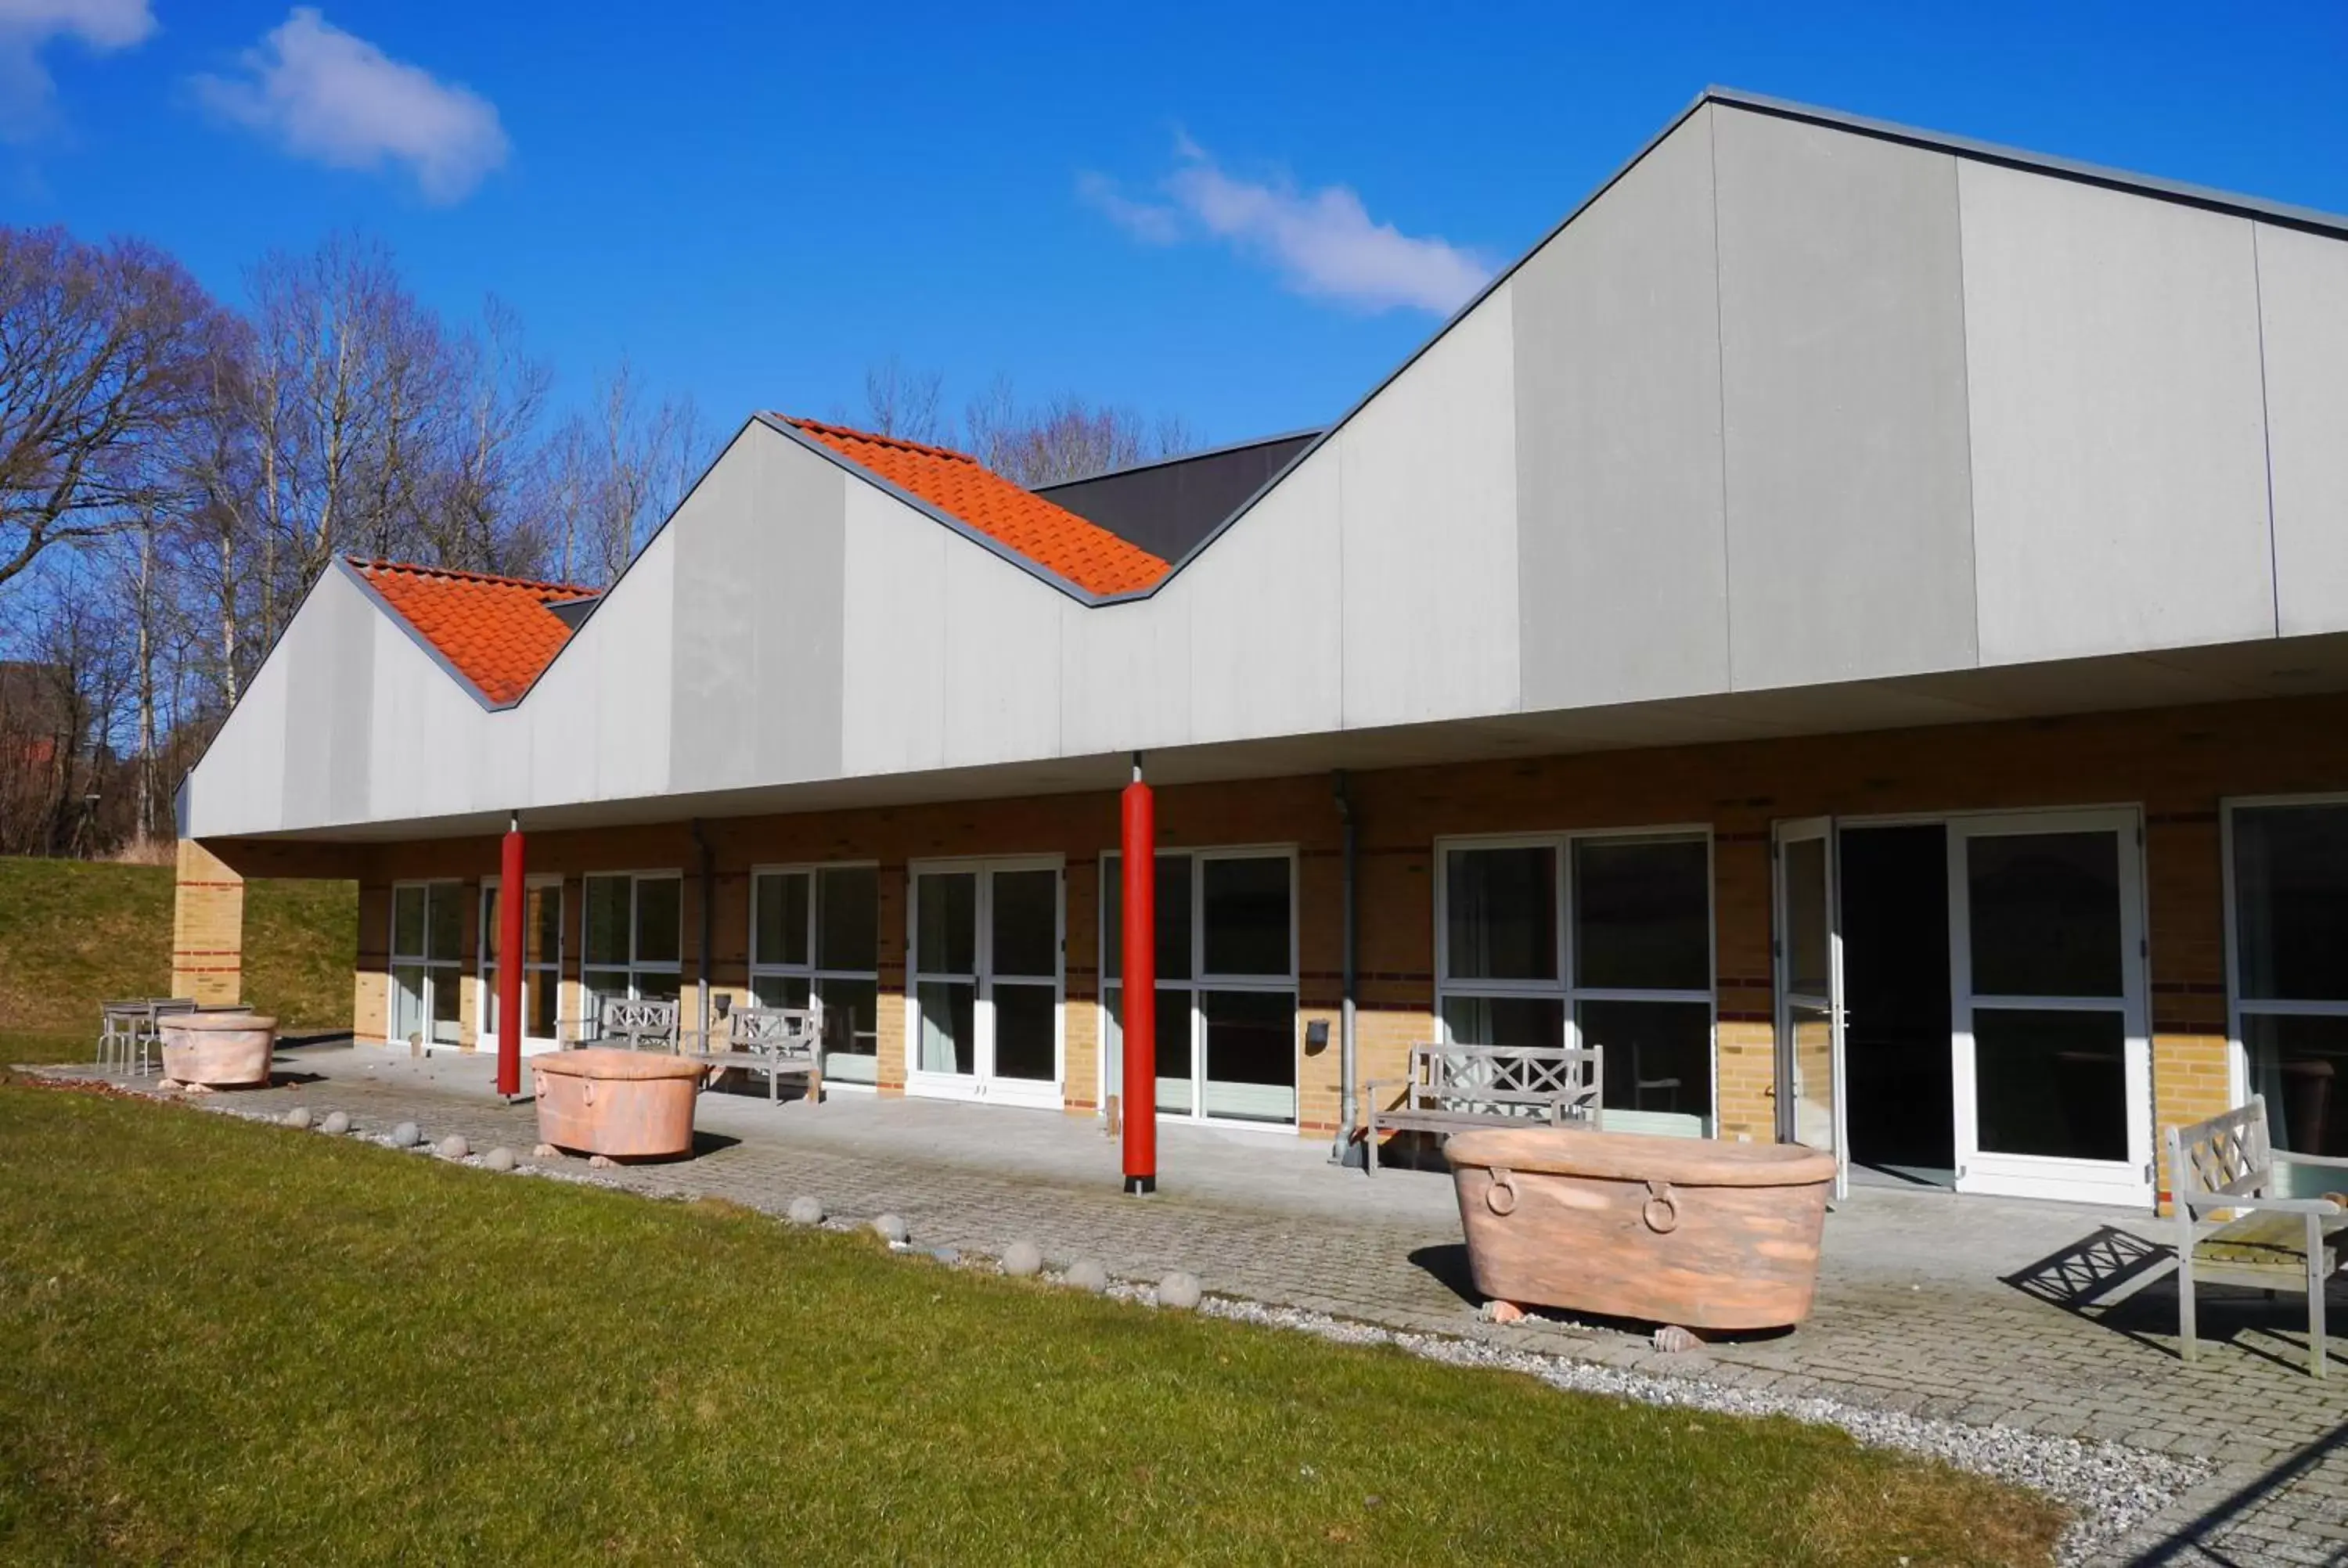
2177, 764
207, 927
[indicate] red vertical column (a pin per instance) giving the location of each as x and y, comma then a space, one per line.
1141, 982
512, 895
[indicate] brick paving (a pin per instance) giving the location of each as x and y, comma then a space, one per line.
2049, 1317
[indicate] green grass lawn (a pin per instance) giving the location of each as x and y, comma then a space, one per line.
232, 1341
74, 933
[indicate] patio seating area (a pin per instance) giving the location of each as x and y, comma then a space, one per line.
2050, 1318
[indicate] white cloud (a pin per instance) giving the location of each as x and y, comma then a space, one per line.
29, 26
1323, 243
332, 97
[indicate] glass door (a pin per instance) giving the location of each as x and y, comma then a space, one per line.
2053, 1057
542, 974
985, 1004
1809, 986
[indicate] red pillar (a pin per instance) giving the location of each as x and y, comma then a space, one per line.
1140, 981
511, 896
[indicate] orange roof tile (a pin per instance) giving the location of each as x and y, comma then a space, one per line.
1053, 538
496, 631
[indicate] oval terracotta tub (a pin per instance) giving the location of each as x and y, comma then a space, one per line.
1667, 1230
624, 1104
220, 1050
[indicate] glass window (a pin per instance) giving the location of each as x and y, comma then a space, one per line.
1246, 920
946, 922
444, 925
606, 939
660, 919
2045, 915
407, 921
1643, 914
1173, 930
815, 934
779, 917
1658, 1063
1504, 1020
2051, 1082
2290, 902
1251, 1054
1500, 914
1026, 924
848, 918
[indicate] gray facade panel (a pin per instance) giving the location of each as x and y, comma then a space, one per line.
2303, 311
756, 683
1843, 375
1168, 508
329, 690
1621, 581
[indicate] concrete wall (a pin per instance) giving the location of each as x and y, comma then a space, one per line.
1786, 405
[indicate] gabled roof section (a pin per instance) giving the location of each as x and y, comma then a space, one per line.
497, 632
1049, 535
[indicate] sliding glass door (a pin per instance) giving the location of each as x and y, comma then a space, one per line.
984, 1009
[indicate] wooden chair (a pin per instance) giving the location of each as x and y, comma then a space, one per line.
2269, 1243
781, 1042
1452, 1088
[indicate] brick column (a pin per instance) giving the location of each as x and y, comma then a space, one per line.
207, 928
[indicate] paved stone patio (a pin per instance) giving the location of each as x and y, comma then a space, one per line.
2045, 1317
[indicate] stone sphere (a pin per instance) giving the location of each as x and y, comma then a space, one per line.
891, 1228
297, 1117
1022, 1258
454, 1147
1087, 1274
805, 1211
949, 1256
405, 1134
1179, 1290
336, 1122
500, 1159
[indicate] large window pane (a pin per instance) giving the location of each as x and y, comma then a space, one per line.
606, 920
540, 994
1173, 930
848, 918
1026, 923
946, 922
1251, 1054
492, 934
407, 922
408, 999
1504, 1020
2300, 1065
653, 985
1025, 1025
541, 919
780, 990
2045, 915
949, 1031
1500, 914
1806, 936
850, 1017
1247, 915
2051, 1082
1643, 915
603, 985
778, 922
448, 1003
660, 919
1658, 1063
444, 927
2290, 901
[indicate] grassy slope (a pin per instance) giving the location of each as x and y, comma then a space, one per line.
73, 934
233, 1341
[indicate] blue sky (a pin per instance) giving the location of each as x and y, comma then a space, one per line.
1243, 215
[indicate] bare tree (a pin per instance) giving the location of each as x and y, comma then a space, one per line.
102, 350
484, 517
902, 402
1065, 438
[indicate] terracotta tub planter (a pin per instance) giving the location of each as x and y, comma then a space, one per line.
217, 1050
622, 1104
1680, 1231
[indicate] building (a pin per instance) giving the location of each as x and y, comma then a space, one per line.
1840, 572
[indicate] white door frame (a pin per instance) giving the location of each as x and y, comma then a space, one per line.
484, 1038
981, 1083
1787, 1069
2127, 1182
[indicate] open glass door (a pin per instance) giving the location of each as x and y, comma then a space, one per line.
2052, 1054
1810, 1016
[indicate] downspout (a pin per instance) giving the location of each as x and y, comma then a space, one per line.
708, 918
1343, 1149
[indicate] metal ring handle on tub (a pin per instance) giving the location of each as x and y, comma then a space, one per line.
586, 1091
1662, 1209
1500, 1197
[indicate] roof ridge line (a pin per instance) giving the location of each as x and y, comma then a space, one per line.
368, 563
902, 442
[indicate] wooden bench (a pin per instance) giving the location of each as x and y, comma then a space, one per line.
647, 1025
2270, 1243
781, 1042
1452, 1088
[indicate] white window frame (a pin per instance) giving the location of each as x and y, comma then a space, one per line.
2238, 1054
437, 971
1110, 1033
1562, 987
982, 1083
813, 972
635, 967
540, 972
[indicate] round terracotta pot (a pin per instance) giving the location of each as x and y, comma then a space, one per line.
1666, 1230
622, 1104
223, 1049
